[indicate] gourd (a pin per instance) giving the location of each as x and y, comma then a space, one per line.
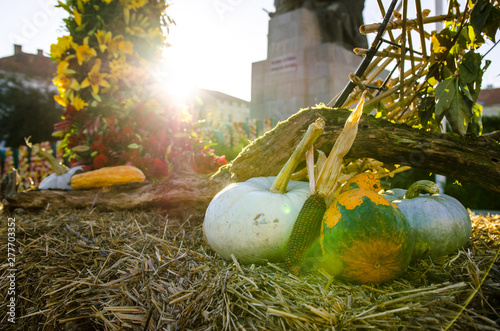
367, 180
60, 179
441, 224
365, 238
253, 220
250, 221
307, 227
107, 176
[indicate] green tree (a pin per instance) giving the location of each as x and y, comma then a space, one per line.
26, 110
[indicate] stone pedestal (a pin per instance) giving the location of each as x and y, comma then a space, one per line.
300, 71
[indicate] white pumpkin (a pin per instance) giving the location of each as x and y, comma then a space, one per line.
251, 222
59, 182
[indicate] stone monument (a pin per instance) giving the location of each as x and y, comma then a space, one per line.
309, 56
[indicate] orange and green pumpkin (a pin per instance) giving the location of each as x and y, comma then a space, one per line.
365, 238
367, 180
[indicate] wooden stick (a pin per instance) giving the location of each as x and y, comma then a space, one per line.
390, 92
364, 51
370, 28
371, 66
412, 52
373, 75
421, 28
382, 11
403, 49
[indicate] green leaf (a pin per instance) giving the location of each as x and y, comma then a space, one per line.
445, 93
134, 146
470, 67
479, 15
65, 7
477, 120
463, 114
466, 92
167, 152
440, 41
68, 71
491, 26
426, 110
81, 27
451, 103
96, 96
79, 4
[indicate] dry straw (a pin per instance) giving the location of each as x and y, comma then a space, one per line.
82, 270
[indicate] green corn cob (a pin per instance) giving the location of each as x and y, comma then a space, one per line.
305, 230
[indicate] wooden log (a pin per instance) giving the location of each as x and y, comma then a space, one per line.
468, 159
181, 195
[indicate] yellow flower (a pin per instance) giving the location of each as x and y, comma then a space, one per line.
114, 46
133, 4
135, 30
126, 47
155, 33
103, 39
60, 100
63, 44
138, 3
118, 68
95, 78
107, 1
83, 52
85, 1
63, 65
78, 103
78, 17
129, 102
63, 68
62, 82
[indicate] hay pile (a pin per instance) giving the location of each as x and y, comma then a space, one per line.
86, 270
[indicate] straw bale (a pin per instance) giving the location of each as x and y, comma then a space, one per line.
142, 270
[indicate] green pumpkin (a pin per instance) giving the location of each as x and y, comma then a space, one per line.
365, 238
440, 223
367, 180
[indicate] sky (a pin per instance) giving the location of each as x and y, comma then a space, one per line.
213, 42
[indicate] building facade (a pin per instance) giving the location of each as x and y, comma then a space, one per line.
301, 70
215, 106
489, 98
36, 69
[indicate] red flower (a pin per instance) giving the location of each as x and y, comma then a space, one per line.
127, 131
221, 160
157, 168
100, 161
99, 147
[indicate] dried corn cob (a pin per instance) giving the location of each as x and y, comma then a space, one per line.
305, 230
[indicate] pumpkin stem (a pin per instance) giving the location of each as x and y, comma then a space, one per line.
58, 168
421, 186
313, 132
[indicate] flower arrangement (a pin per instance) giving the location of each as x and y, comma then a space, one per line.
105, 81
